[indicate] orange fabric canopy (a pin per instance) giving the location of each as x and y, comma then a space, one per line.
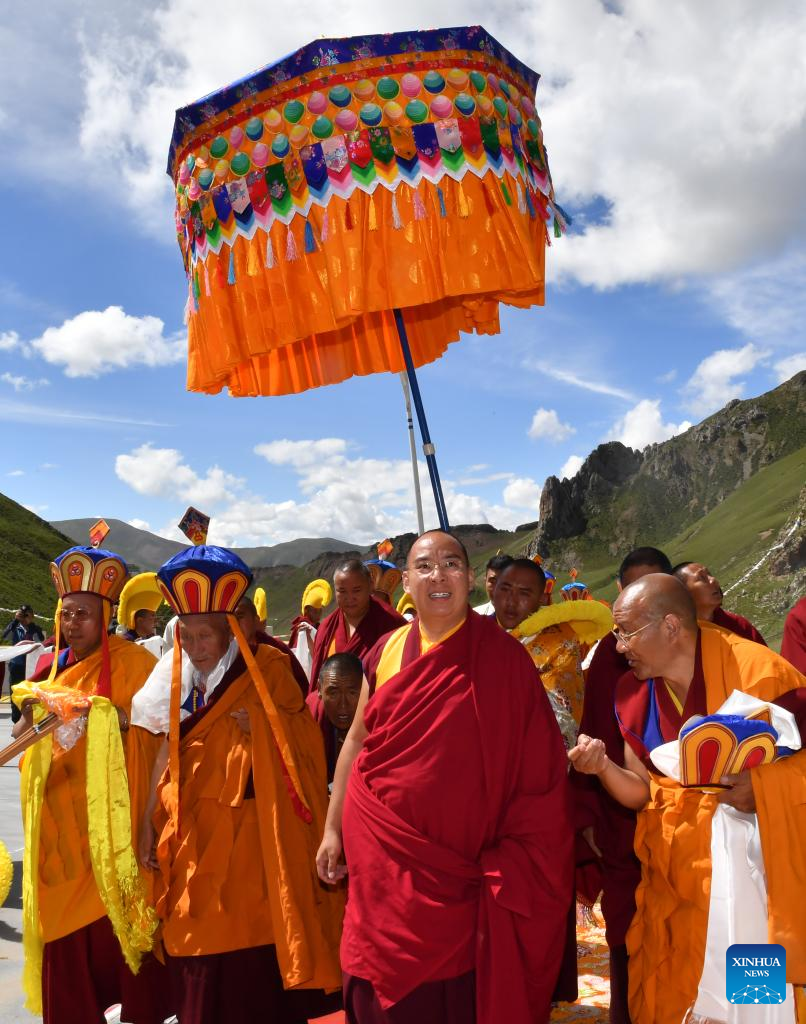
315, 197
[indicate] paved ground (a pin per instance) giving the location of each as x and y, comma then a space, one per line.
11, 1008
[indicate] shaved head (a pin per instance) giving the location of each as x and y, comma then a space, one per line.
657, 595
657, 628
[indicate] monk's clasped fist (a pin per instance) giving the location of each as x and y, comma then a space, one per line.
589, 756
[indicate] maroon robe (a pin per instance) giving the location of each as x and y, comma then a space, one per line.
793, 645
379, 620
297, 670
613, 824
316, 706
737, 624
457, 832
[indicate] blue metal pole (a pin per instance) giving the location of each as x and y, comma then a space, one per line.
429, 451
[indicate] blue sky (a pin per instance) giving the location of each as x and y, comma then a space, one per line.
680, 151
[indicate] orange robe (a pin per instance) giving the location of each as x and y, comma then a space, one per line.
68, 895
240, 871
666, 941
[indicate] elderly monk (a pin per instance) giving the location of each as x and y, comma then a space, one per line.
249, 932
679, 668
82, 894
608, 825
793, 644
706, 594
359, 620
451, 796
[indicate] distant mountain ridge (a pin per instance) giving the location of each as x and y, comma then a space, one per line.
148, 551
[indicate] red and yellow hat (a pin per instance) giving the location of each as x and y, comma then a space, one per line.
203, 580
86, 570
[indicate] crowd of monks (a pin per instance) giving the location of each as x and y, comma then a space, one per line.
397, 814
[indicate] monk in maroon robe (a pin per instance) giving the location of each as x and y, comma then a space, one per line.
247, 616
451, 795
793, 645
707, 596
357, 623
609, 825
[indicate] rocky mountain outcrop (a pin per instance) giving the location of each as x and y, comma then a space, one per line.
620, 495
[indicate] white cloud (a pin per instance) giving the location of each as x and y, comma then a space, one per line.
139, 524
343, 495
301, 454
571, 467
523, 493
546, 423
36, 509
9, 340
789, 366
675, 115
162, 472
568, 377
643, 425
49, 465
715, 382
99, 341
766, 302
16, 472
20, 383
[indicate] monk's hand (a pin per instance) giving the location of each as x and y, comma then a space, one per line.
740, 795
147, 845
241, 716
589, 756
328, 858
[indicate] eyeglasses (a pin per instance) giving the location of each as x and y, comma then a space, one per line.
447, 565
626, 638
75, 615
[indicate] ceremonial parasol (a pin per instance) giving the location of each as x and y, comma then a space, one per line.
354, 207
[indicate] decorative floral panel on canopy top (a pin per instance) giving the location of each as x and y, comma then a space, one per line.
352, 177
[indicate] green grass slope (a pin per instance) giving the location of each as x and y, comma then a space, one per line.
27, 547
730, 539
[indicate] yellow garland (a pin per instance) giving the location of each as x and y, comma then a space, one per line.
590, 620
113, 860
109, 830
6, 872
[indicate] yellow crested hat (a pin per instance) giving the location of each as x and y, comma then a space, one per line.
261, 606
406, 604
141, 591
86, 570
317, 594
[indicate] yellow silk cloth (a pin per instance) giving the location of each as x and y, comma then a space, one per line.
392, 657
666, 941
557, 654
326, 315
79, 864
237, 863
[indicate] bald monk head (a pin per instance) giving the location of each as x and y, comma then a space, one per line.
439, 578
205, 639
656, 626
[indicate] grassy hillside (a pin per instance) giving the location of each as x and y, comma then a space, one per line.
27, 547
730, 540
